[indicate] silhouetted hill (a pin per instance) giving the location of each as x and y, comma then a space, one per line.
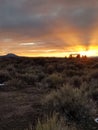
9, 55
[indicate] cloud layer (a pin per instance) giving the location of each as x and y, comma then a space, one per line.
54, 23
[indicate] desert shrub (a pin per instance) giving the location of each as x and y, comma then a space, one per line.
30, 79
92, 89
94, 95
71, 66
76, 65
60, 67
30, 69
93, 75
15, 84
84, 78
54, 80
10, 67
80, 66
95, 66
50, 69
41, 75
21, 71
76, 81
71, 73
39, 61
12, 70
4, 76
72, 105
34, 69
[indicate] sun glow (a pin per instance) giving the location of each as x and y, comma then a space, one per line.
88, 53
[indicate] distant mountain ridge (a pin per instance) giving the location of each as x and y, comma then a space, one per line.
9, 55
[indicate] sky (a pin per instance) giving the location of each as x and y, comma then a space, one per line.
49, 27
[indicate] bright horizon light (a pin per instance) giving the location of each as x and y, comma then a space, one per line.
88, 53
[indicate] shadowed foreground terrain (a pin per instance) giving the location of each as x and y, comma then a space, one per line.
48, 93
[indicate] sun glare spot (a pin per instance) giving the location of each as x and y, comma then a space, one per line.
88, 53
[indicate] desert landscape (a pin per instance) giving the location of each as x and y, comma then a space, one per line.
48, 64
48, 93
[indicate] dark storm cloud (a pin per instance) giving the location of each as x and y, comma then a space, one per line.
82, 17
21, 13
13, 14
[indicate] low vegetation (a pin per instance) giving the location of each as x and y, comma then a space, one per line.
48, 93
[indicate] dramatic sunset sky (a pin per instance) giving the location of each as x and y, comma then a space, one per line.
49, 27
